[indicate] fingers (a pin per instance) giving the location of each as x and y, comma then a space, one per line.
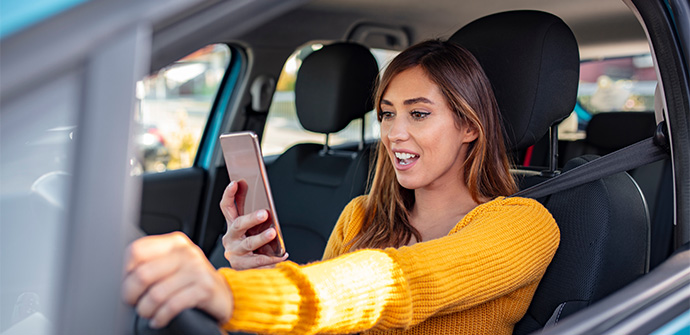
245, 233
145, 275
240, 248
167, 274
209, 293
232, 202
227, 202
241, 254
175, 304
241, 195
237, 229
255, 242
152, 247
153, 258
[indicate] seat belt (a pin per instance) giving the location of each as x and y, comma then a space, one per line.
635, 155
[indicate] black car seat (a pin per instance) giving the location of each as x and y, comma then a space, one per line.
532, 61
608, 132
312, 183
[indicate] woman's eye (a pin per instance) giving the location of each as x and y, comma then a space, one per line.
385, 115
418, 115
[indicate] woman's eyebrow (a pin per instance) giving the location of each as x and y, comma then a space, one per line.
417, 100
409, 101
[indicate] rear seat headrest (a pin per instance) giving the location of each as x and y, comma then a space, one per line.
532, 61
334, 86
615, 130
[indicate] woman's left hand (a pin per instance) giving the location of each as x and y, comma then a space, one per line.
166, 274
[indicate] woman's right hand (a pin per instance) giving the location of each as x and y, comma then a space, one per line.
240, 246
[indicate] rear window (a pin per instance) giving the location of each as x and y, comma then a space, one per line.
610, 85
620, 84
283, 129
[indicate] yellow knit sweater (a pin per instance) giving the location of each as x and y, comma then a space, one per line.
479, 279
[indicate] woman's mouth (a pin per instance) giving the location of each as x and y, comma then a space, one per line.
405, 158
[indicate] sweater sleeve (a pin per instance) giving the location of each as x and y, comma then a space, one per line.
497, 248
501, 248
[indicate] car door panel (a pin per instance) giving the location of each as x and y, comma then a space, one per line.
171, 199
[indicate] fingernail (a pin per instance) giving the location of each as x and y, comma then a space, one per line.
261, 215
153, 324
269, 232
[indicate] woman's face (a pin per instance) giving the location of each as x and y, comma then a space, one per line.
420, 134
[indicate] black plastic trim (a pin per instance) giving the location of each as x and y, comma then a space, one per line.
667, 49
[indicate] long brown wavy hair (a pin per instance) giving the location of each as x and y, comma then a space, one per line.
468, 92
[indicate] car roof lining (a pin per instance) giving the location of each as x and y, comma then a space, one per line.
601, 32
603, 28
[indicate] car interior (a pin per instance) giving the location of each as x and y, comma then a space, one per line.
301, 75
536, 90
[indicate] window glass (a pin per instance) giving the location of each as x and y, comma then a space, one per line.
37, 135
610, 85
620, 84
283, 129
173, 106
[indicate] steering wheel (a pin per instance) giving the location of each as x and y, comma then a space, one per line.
188, 322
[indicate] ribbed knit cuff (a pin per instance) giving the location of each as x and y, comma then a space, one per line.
275, 300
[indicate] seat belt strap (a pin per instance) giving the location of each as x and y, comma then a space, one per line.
628, 158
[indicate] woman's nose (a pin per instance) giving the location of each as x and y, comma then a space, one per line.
397, 130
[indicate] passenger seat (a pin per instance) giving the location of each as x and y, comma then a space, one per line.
311, 182
608, 132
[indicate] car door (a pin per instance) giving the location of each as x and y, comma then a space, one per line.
70, 178
179, 112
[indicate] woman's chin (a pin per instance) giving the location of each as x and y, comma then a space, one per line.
408, 183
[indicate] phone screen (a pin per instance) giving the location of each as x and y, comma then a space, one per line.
245, 165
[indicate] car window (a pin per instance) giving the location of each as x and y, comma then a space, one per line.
173, 107
283, 129
611, 85
619, 84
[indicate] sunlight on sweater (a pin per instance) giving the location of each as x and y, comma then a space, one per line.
362, 297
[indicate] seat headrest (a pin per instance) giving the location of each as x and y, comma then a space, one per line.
615, 130
533, 63
334, 86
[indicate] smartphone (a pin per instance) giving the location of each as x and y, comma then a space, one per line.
246, 164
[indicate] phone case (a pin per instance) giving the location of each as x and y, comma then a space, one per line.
244, 161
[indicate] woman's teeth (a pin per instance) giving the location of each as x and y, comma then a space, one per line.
403, 157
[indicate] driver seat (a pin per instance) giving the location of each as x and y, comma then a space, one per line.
532, 61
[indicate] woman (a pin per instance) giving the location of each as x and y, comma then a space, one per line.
434, 248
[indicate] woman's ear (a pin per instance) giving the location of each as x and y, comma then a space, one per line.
470, 133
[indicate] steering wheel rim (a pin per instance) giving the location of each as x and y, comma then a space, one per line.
188, 322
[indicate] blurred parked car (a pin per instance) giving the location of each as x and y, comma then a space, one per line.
153, 151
